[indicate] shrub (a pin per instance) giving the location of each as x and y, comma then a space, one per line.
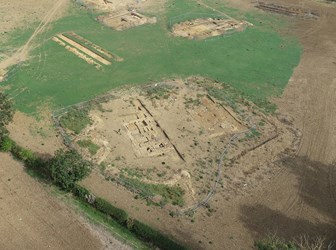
68, 167
118, 214
272, 242
7, 144
6, 114
23, 154
80, 192
149, 234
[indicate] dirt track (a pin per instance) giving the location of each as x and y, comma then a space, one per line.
32, 219
22, 53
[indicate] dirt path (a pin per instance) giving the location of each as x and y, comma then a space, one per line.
23, 52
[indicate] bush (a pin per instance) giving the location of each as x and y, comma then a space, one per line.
118, 214
273, 242
149, 234
7, 144
68, 167
6, 114
80, 192
23, 154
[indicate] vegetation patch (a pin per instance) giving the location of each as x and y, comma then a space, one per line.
6, 114
92, 147
76, 120
112, 225
161, 91
303, 242
275, 243
169, 194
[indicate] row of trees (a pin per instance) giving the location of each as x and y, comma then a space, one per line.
6, 114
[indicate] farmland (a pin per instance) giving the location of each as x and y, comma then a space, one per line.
203, 124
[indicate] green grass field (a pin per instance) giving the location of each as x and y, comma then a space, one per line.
258, 62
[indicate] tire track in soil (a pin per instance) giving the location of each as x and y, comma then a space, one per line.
22, 53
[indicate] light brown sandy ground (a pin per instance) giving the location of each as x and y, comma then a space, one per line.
119, 5
33, 219
39, 136
199, 127
184, 127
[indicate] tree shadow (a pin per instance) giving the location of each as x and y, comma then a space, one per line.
316, 183
317, 189
261, 220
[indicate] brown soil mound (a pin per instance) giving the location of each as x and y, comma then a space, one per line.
202, 28
287, 10
125, 20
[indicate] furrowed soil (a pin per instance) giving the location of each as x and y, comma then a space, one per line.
33, 219
300, 199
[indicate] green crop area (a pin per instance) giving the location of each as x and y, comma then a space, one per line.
258, 62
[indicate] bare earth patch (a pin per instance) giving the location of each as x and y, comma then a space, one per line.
125, 20
38, 136
202, 28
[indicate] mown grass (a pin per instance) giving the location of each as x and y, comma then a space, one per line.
258, 62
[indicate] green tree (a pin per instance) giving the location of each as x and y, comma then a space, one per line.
6, 114
68, 167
